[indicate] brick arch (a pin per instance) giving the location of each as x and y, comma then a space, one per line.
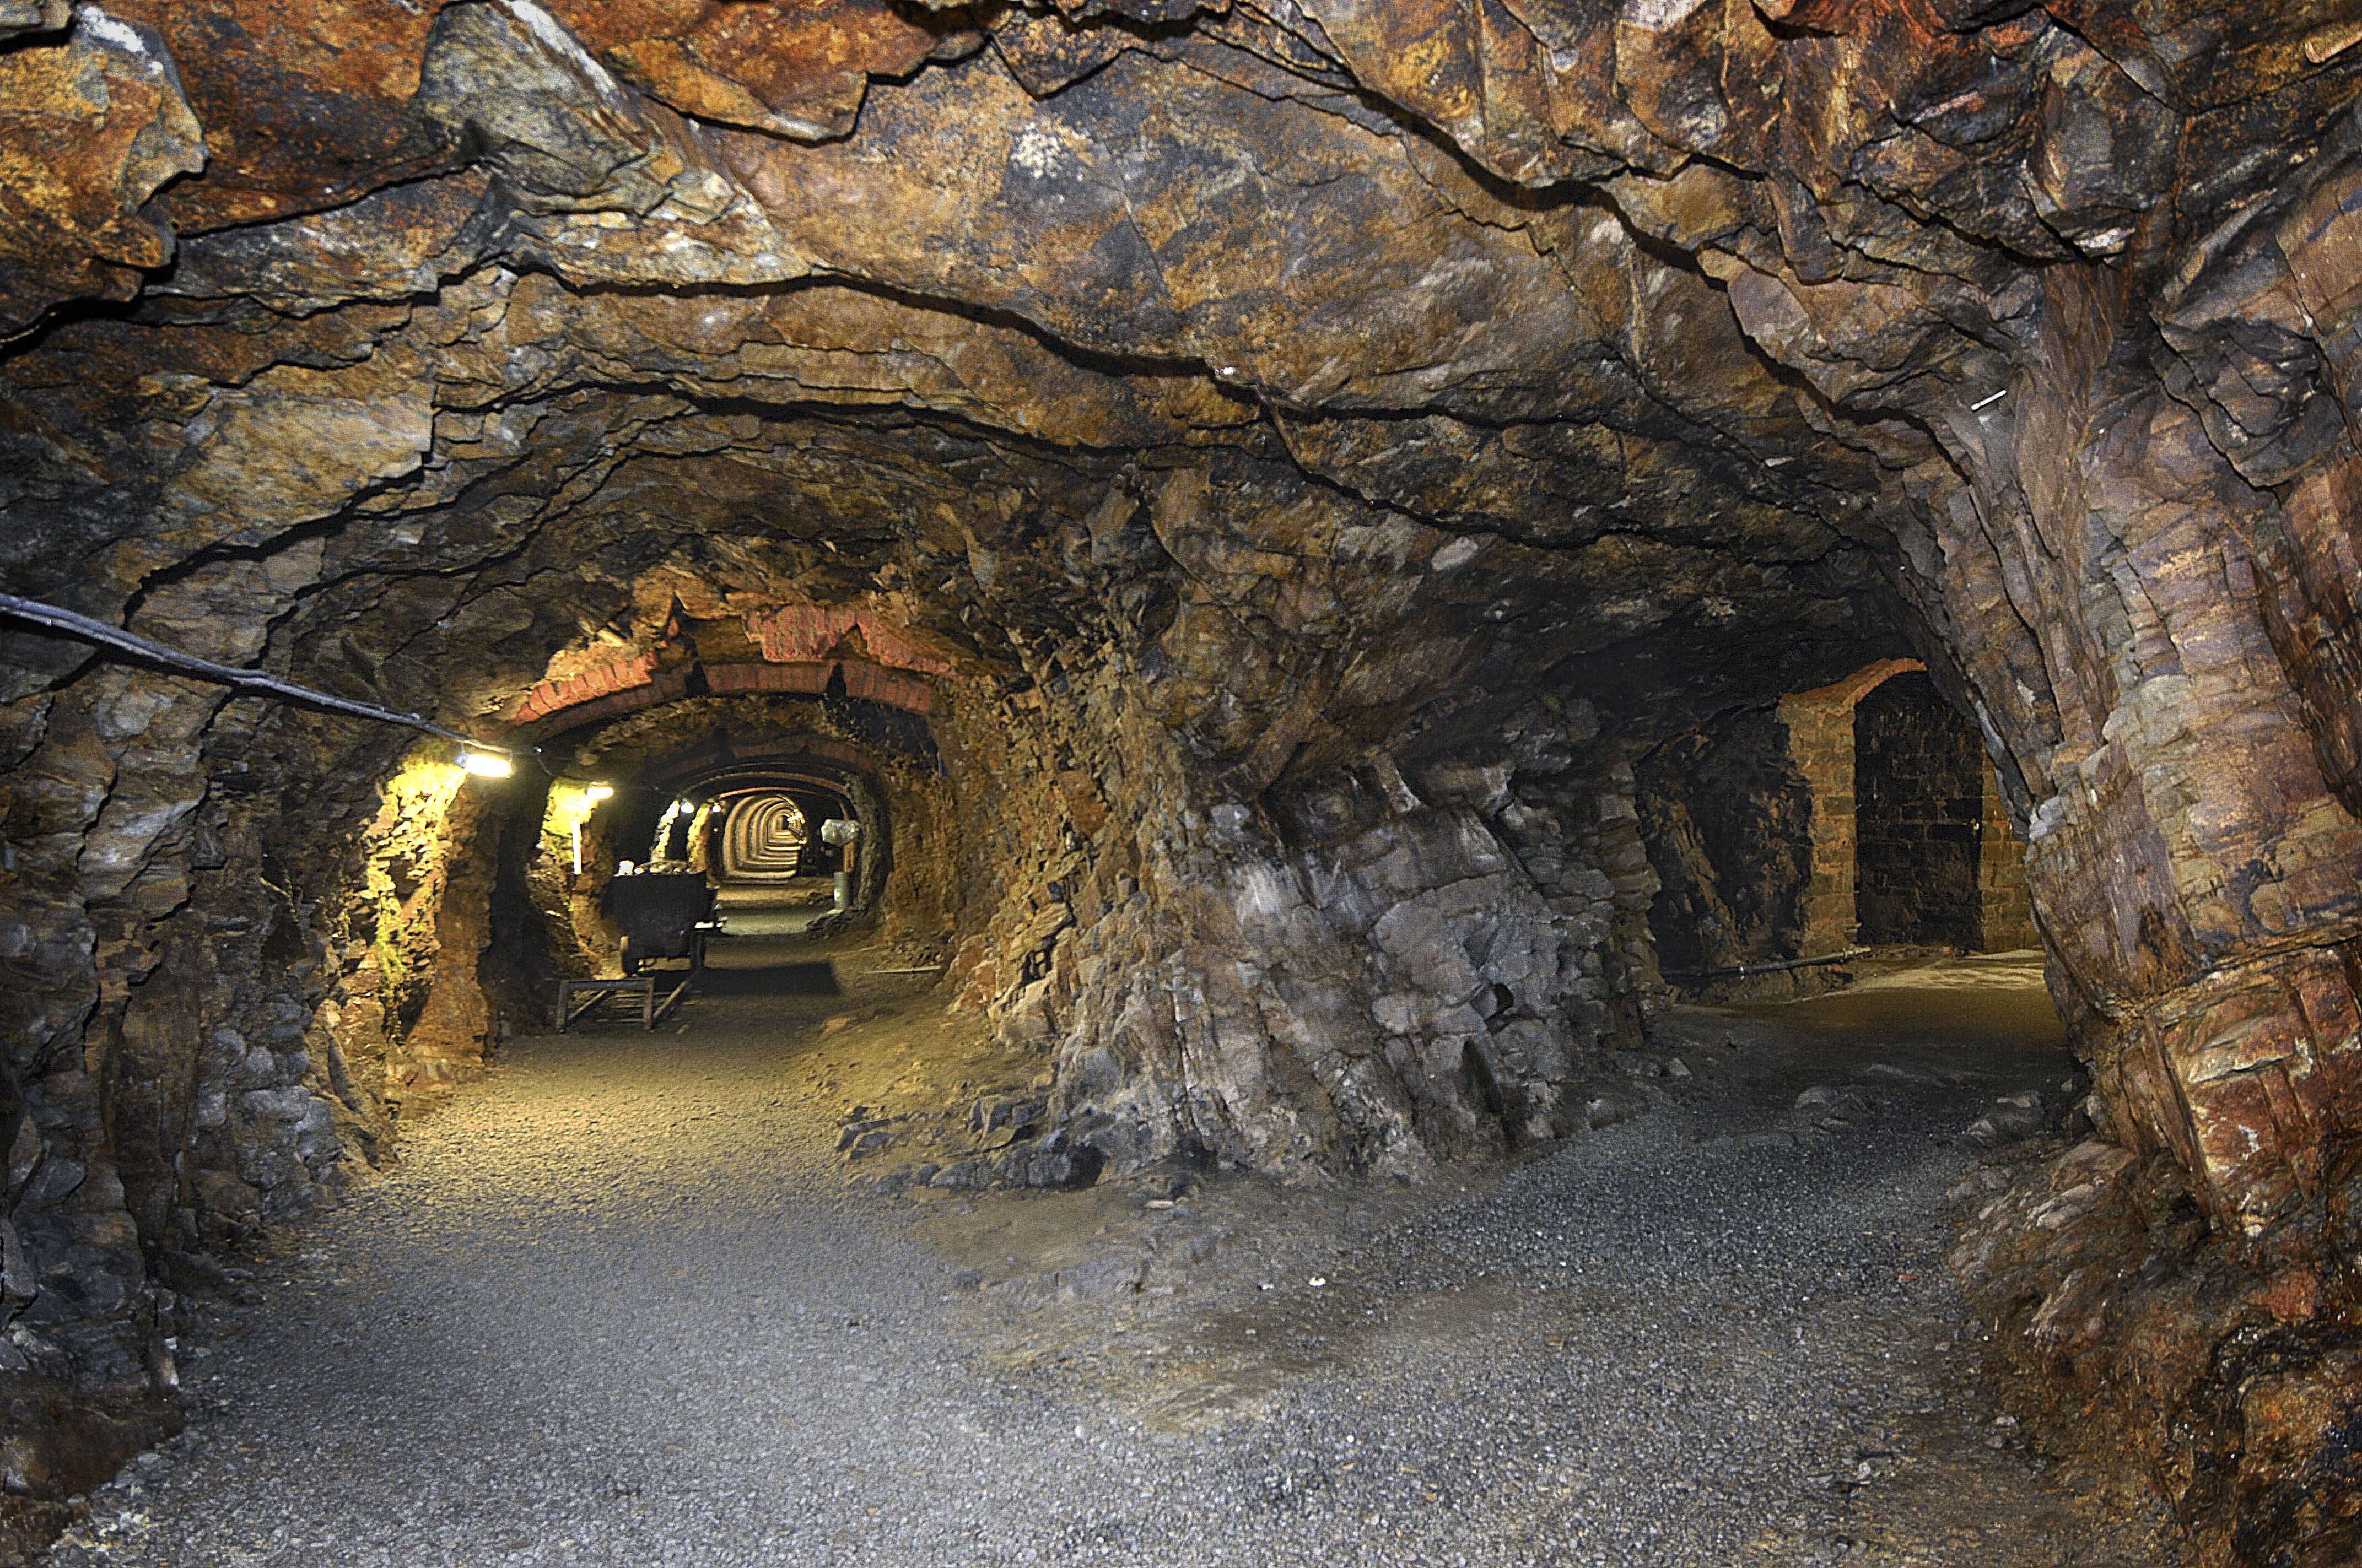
1821, 746
1854, 687
815, 758
628, 686
809, 633
804, 649
763, 835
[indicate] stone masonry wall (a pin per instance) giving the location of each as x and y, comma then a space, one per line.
1919, 804
1837, 818
1821, 747
2006, 904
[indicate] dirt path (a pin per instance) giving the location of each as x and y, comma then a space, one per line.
619, 1306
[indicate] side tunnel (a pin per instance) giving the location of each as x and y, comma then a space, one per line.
1863, 814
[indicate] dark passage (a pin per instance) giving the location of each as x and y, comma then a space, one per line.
1918, 776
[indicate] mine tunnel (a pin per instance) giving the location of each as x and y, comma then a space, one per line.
1141, 783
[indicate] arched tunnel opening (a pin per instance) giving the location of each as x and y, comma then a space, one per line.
971, 784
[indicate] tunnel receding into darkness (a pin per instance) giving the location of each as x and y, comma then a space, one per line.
1340, 603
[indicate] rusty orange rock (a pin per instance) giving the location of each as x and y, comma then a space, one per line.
90, 127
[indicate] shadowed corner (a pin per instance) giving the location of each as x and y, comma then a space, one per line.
810, 979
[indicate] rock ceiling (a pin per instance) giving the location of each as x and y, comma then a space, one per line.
518, 284
1655, 329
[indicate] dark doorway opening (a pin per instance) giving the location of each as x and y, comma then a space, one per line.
1919, 813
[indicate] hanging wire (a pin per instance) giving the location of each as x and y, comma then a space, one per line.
91, 630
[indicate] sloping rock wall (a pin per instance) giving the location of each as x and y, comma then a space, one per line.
1732, 836
1437, 975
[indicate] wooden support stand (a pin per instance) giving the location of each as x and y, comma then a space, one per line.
644, 986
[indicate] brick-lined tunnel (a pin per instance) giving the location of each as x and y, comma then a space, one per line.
1543, 785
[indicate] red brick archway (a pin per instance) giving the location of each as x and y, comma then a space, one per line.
628, 686
805, 648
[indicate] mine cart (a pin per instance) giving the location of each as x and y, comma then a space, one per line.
664, 915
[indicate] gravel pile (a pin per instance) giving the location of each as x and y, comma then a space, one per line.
619, 1307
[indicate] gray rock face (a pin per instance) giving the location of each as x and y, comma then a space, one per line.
1400, 992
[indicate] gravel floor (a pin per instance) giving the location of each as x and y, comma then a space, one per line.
618, 1306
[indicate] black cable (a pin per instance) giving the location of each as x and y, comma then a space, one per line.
89, 630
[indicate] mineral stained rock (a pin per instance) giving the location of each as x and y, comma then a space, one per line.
90, 127
1314, 476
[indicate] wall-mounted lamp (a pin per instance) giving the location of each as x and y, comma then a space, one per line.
486, 764
599, 791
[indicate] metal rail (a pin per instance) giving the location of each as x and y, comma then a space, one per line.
1765, 967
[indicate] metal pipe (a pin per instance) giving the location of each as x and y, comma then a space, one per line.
1765, 967
99, 632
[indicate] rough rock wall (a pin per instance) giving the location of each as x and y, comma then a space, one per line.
1367, 975
171, 1085
1729, 819
2190, 836
2096, 1260
1299, 975
2193, 862
412, 998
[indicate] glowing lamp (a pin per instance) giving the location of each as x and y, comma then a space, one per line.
486, 764
599, 791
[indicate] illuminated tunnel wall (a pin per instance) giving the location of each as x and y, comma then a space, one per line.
763, 838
